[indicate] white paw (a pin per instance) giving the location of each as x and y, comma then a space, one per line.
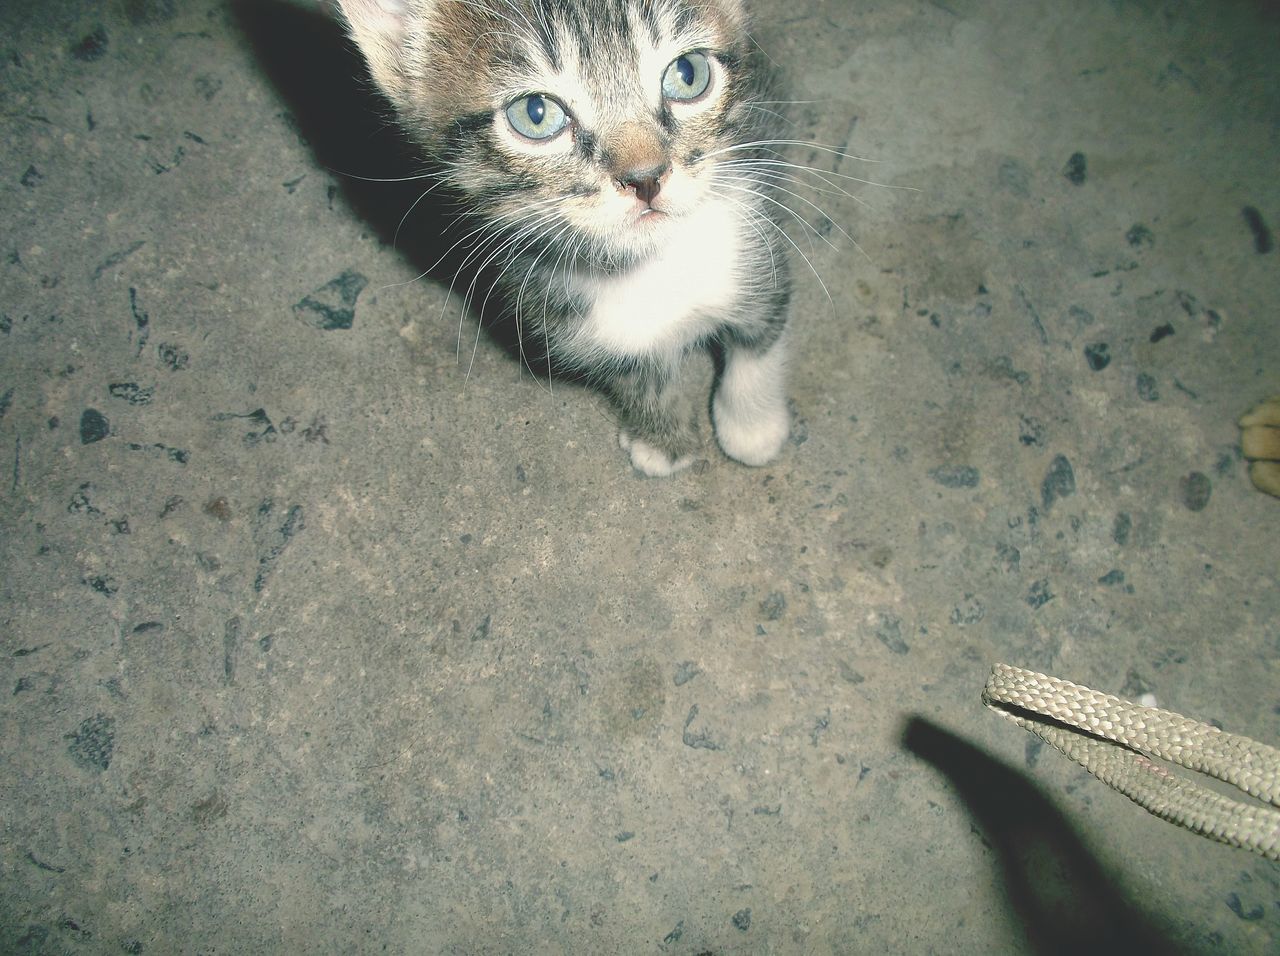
753, 436
651, 461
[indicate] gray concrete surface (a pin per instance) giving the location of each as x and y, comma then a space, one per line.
324, 631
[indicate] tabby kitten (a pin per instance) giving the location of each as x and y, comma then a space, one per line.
616, 157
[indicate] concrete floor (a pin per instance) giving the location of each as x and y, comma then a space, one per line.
327, 629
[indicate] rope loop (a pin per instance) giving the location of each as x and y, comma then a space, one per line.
1115, 740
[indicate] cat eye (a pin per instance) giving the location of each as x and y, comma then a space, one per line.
537, 117
687, 77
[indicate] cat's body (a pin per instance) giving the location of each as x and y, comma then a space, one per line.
614, 158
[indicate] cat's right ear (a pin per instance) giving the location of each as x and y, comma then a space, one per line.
380, 28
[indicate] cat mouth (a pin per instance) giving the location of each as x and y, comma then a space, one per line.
649, 217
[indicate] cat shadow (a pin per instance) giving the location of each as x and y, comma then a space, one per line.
381, 174
1065, 899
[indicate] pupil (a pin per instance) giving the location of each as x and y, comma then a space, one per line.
685, 69
537, 110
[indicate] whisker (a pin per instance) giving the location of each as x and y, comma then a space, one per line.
822, 174
550, 243
751, 217
770, 176
522, 239
497, 233
800, 252
425, 174
783, 206
395, 238
812, 205
761, 143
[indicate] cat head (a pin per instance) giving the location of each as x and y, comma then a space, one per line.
603, 119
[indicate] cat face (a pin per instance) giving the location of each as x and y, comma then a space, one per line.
598, 122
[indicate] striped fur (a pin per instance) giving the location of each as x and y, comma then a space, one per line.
645, 228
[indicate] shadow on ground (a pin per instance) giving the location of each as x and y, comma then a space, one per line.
386, 179
1060, 892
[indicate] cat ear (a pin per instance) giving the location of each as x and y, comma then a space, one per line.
379, 28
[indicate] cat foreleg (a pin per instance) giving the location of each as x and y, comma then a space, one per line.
659, 442
749, 409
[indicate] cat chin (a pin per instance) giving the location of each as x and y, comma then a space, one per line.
647, 235
643, 236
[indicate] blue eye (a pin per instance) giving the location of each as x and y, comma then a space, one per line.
537, 117
687, 77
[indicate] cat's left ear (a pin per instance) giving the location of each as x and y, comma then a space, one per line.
379, 28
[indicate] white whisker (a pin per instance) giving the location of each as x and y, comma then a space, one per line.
426, 174
821, 174
797, 196
751, 217
811, 229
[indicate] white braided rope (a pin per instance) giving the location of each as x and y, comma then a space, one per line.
1113, 739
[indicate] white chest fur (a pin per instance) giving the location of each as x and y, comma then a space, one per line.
670, 301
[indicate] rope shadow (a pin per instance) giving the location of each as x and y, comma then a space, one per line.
1064, 899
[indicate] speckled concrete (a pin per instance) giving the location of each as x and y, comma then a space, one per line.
327, 629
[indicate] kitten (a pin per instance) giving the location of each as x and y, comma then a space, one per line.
616, 156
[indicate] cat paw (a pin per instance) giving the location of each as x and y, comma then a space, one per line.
650, 460
753, 438
1260, 442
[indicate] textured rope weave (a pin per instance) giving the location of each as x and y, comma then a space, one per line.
1113, 739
